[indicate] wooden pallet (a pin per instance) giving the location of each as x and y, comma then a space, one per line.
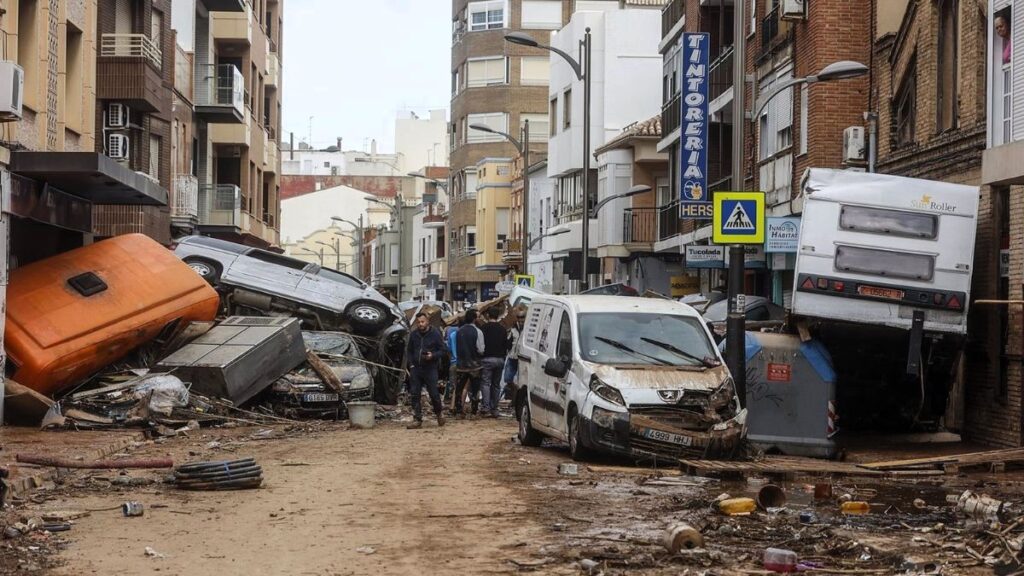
786, 467
995, 460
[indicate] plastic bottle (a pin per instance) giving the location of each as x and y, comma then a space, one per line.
737, 506
681, 536
779, 560
856, 508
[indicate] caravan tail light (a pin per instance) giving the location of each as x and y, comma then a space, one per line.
808, 284
954, 303
822, 284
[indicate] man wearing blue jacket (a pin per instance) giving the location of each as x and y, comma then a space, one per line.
422, 353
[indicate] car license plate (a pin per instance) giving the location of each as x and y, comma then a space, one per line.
319, 397
874, 292
667, 437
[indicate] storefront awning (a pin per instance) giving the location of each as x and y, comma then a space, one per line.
89, 175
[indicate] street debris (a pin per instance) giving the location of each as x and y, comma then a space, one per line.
568, 469
132, 509
149, 551
44, 460
366, 550
682, 536
219, 475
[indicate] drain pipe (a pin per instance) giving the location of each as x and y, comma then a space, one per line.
872, 120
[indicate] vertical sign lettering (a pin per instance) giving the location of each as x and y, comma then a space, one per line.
694, 201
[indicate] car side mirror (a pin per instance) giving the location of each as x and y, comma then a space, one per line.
556, 367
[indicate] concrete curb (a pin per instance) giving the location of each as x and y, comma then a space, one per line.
45, 478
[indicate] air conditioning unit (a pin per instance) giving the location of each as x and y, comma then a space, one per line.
853, 144
12, 90
117, 146
117, 115
793, 9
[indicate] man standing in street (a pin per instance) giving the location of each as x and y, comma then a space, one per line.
422, 354
469, 349
495, 348
508, 377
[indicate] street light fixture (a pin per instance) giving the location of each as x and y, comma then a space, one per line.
337, 252
583, 74
631, 192
524, 151
543, 236
359, 240
842, 70
439, 183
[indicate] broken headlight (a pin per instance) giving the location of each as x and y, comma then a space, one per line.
724, 394
606, 418
609, 393
360, 382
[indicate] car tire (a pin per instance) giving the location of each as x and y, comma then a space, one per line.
209, 271
527, 435
368, 316
577, 447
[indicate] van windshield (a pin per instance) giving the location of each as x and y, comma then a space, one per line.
632, 335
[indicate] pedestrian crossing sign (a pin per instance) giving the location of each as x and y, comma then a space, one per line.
738, 218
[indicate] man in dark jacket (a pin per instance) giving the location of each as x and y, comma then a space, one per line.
495, 349
422, 354
469, 343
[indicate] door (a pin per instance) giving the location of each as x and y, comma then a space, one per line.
549, 391
560, 391
268, 273
534, 351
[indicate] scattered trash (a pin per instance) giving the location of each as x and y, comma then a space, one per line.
219, 475
981, 507
588, 565
737, 506
132, 508
853, 508
770, 496
920, 504
153, 553
568, 469
162, 393
808, 517
682, 536
779, 560
366, 550
822, 491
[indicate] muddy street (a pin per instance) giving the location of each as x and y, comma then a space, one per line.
468, 499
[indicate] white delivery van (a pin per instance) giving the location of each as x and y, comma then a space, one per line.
634, 376
883, 278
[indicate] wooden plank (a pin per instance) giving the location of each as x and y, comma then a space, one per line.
324, 371
938, 461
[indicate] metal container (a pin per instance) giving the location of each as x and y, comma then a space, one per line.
132, 508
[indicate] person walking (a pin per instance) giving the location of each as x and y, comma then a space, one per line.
508, 377
469, 345
495, 349
424, 350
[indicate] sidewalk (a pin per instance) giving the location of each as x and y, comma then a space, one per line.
81, 445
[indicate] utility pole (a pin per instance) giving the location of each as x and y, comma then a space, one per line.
585, 281
525, 249
736, 321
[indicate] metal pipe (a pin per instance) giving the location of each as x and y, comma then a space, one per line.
585, 248
525, 248
735, 327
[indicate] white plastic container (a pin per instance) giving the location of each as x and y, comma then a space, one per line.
362, 414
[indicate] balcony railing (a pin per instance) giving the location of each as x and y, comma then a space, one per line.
721, 74
223, 87
670, 15
639, 225
769, 28
513, 250
186, 197
668, 220
670, 115
131, 46
220, 205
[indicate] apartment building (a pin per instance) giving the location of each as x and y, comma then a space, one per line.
429, 236
994, 378
499, 85
625, 71
803, 126
493, 221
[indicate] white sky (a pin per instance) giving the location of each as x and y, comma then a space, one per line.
354, 64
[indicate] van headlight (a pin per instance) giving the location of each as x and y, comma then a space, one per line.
609, 393
607, 418
724, 394
360, 382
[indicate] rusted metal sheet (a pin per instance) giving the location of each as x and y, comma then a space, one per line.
662, 377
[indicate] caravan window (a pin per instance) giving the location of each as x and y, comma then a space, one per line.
884, 263
894, 222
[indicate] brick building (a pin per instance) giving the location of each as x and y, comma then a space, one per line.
500, 85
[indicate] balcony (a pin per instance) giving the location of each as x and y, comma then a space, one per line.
512, 254
434, 218
772, 29
670, 115
220, 206
271, 157
639, 225
232, 27
670, 15
185, 203
226, 5
721, 74
668, 220
128, 69
273, 77
220, 94
234, 134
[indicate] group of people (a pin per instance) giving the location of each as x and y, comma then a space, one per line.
477, 357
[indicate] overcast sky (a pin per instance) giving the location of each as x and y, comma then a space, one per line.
353, 64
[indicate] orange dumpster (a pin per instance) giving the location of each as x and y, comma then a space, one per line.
72, 314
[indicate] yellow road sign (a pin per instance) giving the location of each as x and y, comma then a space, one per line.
738, 218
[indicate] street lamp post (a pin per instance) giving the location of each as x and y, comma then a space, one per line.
523, 147
359, 241
736, 321
549, 235
583, 74
396, 210
336, 246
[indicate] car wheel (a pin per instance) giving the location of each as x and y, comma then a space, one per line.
368, 315
577, 448
527, 435
206, 269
